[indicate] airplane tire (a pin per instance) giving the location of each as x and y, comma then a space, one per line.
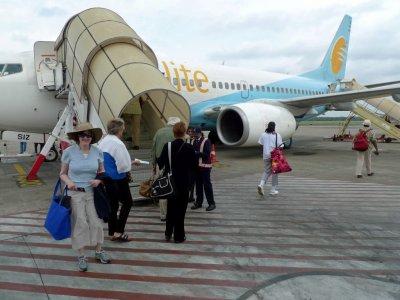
388, 140
288, 143
52, 155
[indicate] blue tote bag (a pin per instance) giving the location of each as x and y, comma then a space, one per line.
58, 222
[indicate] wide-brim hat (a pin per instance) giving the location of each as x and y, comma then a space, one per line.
367, 123
86, 126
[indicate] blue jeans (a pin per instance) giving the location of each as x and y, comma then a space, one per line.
22, 147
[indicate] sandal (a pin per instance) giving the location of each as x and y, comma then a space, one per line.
122, 238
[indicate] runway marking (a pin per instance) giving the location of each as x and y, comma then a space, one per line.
247, 240
21, 180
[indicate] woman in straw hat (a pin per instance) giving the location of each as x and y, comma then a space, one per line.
79, 165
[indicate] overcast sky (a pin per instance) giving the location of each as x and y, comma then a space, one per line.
280, 36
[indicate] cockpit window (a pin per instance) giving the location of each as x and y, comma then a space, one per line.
8, 69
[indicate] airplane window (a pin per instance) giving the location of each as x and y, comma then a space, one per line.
191, 82
291, 91
175, 81
263, 88
12, 69
273, 89
220, 85
257, 88
278, 89
268, 89
1, 68
199, 83
251, 87
244, 87
227, 85
232, 86
286, 90
214, 85
238, 86
183, 82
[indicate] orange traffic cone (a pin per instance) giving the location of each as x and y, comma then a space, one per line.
213, 157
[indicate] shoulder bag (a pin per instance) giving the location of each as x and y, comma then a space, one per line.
58, 222
279, 163
164, 185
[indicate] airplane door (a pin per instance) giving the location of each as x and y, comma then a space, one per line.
245, 89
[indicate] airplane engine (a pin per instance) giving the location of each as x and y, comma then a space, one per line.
243, 124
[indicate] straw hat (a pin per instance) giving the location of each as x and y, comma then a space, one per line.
96, 132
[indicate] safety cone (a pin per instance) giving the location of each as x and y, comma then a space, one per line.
213, 157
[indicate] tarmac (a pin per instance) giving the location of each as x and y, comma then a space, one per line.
327, 235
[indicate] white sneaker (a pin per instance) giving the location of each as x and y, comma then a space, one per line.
273, 193
260, 190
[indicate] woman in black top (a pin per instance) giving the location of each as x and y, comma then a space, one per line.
184, 163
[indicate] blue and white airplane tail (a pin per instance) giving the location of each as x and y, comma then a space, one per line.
333, 66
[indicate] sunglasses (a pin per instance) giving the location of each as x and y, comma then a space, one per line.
84, 134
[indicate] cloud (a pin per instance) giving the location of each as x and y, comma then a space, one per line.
52, 12
282, 36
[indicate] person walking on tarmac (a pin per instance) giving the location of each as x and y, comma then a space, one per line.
202, 146
364, 157
162, 136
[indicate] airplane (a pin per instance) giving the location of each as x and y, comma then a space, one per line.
233, 103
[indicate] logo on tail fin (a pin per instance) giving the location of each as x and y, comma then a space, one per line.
338, 56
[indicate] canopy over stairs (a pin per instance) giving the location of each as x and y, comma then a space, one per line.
109, 65
383, 112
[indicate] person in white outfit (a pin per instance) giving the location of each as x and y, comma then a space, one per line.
269, 141
364, 157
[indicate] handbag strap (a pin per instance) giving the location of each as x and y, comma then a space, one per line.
62, 192
276, 140
169, 156
58, 186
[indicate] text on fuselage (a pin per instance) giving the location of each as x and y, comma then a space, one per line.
182, 72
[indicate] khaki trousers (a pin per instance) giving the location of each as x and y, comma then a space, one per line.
136, 129
363, 158
86, 226
163, 208
132, 127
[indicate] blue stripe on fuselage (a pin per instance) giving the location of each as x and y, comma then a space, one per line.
299, 83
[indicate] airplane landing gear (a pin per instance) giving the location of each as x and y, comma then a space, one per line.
52, 155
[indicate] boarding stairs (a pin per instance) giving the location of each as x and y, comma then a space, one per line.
383, 112
102, 65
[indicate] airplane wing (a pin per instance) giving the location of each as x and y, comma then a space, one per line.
340, 97
373, 85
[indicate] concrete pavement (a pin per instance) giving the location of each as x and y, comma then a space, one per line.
327, 235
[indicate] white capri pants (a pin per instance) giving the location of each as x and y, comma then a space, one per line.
267, 173
86, 226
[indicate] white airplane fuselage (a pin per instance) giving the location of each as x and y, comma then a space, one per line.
23, 106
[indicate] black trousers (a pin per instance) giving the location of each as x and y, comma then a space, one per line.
120, 193
176, 210
203, 182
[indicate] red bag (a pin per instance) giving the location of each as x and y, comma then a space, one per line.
360, 142
279, 163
